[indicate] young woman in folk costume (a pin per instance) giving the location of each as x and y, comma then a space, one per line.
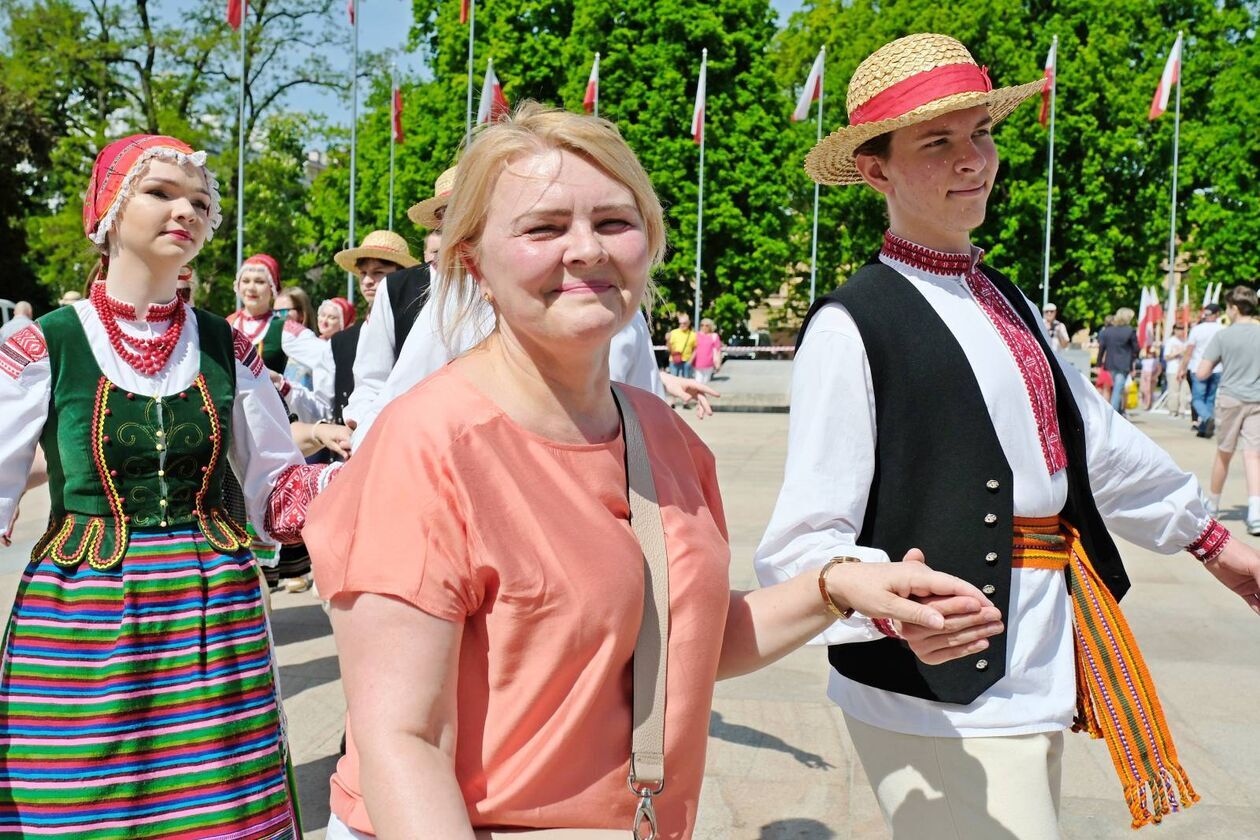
138, 691
278, 338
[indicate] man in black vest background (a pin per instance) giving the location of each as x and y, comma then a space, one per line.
951, 434
397, 305
381, 253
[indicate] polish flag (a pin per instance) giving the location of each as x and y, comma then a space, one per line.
235, 11
463, 11
1048, 86
1144, 318
1172, 75
592, 88
697, 113
397, 114
813, 89
350, 4
494, 105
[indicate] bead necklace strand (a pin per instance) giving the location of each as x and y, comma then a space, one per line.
150, 354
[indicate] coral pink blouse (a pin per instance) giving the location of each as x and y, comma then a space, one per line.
454, 508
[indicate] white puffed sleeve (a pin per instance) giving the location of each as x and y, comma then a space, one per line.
830, 464
25, 381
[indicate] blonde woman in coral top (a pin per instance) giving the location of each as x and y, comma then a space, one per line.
486, 584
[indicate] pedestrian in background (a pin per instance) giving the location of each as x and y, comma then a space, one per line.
1174, 356
1149, 373
707, 360
1117, 351
1054, 327
1237, 409
1203, 387
682, 346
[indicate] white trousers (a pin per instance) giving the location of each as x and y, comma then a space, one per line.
999, 788
337, 830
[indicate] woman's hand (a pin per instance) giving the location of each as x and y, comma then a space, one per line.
941, 617
334, 438
688, 390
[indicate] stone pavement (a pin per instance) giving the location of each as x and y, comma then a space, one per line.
780, 764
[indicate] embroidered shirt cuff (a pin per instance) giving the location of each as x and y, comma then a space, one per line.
295, 487
1210, 543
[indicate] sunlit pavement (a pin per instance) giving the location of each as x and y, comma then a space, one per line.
780, 764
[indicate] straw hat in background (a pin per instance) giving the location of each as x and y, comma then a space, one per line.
428, 213
381, 245
911, 80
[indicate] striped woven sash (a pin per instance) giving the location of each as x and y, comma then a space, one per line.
1115, 695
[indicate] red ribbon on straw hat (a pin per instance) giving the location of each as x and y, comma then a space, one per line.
920, 89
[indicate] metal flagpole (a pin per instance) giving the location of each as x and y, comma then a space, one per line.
393, 137
813, 250
354, 137
1172, 215
472, 28
597, 93
1045, 269
704, 126
240, 157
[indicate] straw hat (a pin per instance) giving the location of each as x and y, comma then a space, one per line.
425, 214
70, 297
911, 80
381, 245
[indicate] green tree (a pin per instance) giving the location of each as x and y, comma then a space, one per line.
651, 59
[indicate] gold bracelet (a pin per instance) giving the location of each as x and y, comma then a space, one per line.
822, 587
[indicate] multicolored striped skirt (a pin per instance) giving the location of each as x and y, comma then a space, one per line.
142, 701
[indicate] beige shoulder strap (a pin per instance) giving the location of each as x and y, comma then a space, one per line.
647, 749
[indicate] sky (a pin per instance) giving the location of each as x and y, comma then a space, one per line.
383, 25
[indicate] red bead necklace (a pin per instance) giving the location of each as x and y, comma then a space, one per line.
150, 354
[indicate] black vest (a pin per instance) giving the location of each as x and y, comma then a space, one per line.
941, 476
408, 291
345, 345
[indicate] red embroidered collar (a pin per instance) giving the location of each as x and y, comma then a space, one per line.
156, 312
928, 259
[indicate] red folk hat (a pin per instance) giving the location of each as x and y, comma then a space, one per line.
267, 263
343, 306
911, 80
116, 168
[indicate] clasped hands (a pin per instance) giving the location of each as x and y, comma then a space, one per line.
940, 617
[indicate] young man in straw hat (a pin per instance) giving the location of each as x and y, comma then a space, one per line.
972, 449
381, 252
393, 357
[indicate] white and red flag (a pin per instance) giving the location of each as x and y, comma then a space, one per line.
697, 113
813, 90
463, 11
350, 4
235, 11
396, 107
1171, 77
1047, 87
494, 105
590, 102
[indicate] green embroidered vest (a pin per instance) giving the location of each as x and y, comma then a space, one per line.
271, 348
120, 461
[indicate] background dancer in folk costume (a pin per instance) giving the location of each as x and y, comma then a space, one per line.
138, 696
974, 445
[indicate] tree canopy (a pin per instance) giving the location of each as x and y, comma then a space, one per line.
80, 72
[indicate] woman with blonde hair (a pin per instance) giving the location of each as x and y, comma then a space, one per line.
487, 587
1117, 355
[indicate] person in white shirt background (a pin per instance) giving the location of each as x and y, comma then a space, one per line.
1203, 389
973, 748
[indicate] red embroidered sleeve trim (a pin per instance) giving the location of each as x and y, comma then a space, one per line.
1210, 543
246, 353
885, 626
25, 346
1033, 366
296, 486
